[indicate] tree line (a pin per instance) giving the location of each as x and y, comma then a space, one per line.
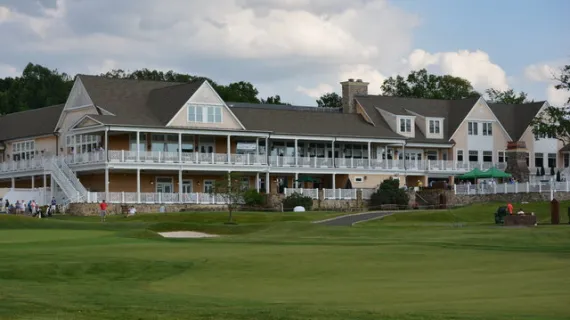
39, 86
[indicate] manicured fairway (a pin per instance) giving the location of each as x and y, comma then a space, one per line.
419, 265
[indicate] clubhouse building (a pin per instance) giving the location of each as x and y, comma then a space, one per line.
145, 141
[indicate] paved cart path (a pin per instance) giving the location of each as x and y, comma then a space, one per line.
351, 219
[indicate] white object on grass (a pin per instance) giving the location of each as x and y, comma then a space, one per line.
299, 209
186, 234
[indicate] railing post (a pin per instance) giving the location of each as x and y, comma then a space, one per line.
454, 189
567, 186
428, 165
122, 155
159, 197
505, 184
196, 156
516, 187
285, 191
494, 188
527, 187
315, 162
122, 197
539, 187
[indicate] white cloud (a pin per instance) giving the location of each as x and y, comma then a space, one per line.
317, 91
475, 66
8, 71
547, 73
4, 14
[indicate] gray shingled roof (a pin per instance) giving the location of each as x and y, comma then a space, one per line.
138, 102
454, 111
516, 118
30, 123
304, 121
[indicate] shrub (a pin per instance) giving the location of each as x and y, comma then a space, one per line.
297, 199
542, 172
551, 171
537, 172
252, 198
389, 192
558, 178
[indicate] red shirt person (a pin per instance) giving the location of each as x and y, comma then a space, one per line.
103, 210
510, 208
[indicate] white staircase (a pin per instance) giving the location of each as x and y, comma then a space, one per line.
66, 179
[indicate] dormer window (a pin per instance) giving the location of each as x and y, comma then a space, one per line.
434, 126
406, 125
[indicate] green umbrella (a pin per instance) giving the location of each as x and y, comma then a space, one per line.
475, 174
496, 173
308, 179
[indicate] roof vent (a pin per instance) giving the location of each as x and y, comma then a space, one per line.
350, 80
358, 80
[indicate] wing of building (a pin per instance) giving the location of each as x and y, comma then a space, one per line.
146, 141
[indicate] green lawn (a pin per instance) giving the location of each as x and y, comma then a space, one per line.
453, 264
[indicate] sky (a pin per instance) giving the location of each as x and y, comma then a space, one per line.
299, 49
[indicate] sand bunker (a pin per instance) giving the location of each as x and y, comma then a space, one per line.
187, 234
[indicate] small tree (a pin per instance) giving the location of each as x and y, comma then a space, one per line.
390, 192
558, 179
537, 172
542, 172
231, 190
552, 171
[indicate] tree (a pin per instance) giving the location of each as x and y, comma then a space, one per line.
421, 84
231, 190
389, 192
330, 100
37, 87
554, 121
507, 96
276, 99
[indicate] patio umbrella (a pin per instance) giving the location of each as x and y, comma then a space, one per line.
475, 174
496, 173
308, 179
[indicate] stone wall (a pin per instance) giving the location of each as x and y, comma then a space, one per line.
432, 197
90, 209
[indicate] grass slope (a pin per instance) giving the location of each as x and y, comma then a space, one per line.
451, 264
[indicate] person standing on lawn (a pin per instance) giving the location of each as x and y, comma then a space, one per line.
103, 210
510, 208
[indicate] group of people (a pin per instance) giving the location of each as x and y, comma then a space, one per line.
510, 209
31, 207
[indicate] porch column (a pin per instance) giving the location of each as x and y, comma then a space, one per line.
334, 185
45, 181
74, 145
333, 161
106, 144
257, 153
267, 150
404, 156
386, 156
369, 154
46, 200
180, 186
296, 153
138, 185
267, 182
138, 145
296, 183
33, 182
257, 181
51, 188
229, 149
106, 184
180, 148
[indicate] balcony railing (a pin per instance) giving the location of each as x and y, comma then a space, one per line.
472, 189
223, 159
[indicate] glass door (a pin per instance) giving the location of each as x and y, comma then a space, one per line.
186, 186
164, 185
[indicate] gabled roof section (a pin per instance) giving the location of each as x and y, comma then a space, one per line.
30, 123
516, 118
307, 121
125, 98
165, 102
87, 120
453, 111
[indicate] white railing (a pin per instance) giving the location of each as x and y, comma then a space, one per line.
367, 193
22, 165
312, 193
156, 198
340, 194
73, 195
70, 175
472, 189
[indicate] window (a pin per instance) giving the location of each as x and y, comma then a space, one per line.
83, 143
501, 156
545, 136
487, 129
434, 126
164, 142
473, 156
358, 179
444, 155
208, 186
23, 150
552, 160
214, 114
406, 125
431, 155
244, 183
460, 155
487, 156
133, 141
538, 160
205, 114
472, 128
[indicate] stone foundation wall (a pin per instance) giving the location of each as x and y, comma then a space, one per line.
90, 209
432, 197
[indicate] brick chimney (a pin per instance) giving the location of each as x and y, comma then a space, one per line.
350, 89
